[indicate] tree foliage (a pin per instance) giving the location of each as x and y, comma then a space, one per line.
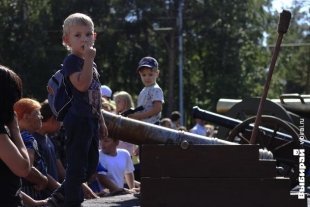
293, 68
223, 53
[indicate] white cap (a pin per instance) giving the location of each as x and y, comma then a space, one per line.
106, 91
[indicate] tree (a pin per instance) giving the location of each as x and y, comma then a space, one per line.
223, 53
225, 59
292, 74
24, 43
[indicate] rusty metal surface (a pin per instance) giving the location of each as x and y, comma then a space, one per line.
138, 132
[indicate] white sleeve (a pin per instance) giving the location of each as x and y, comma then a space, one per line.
158, 95
102, 168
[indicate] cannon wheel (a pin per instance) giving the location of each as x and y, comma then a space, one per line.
248, 107
282, 152
275, 123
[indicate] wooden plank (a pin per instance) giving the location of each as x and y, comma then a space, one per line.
217, 192
204, 161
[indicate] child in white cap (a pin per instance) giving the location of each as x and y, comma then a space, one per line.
106, 92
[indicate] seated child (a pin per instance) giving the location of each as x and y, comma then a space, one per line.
115, 167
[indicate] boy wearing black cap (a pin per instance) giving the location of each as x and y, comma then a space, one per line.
151, 96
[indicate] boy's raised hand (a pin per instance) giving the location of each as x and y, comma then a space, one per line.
89, 51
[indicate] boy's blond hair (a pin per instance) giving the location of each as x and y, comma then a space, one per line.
76, 19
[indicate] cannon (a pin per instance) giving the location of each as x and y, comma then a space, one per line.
281, 138
184, 169
296, 103
291, 108
130, 130
231, 123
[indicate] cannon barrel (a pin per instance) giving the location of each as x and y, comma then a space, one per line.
299, 104
215, 118
138, 132
231, 123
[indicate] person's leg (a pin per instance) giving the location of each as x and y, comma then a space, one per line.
93, 154
79, 135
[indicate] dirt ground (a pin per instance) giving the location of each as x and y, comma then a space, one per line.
128, 200
122, 201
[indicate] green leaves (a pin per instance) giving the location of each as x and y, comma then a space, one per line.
223, 53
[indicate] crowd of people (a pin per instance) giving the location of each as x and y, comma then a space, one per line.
63, 163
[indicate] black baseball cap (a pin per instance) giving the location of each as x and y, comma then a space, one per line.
148, 62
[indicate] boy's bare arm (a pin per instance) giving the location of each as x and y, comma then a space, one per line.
82, 80
52, 183
27, 200
130, 180
35, 176
107, 183
88, 192
157, 108
39, 180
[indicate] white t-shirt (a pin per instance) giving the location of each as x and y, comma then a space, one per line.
115, 167
146, 98
199, 129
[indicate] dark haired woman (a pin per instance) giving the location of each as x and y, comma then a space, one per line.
14, 160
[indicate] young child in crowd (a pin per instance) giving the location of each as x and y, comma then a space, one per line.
115, 165
175, 117
84, 116
46, 147
106, 92
123, 102
199, 127
151, 96
166, 122
38, 184
106, 97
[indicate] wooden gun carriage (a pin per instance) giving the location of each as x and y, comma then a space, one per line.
183, 169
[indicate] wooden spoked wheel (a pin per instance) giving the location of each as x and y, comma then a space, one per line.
275, 135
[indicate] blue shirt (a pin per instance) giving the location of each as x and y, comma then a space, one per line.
31, 143
84, 104
48, 152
